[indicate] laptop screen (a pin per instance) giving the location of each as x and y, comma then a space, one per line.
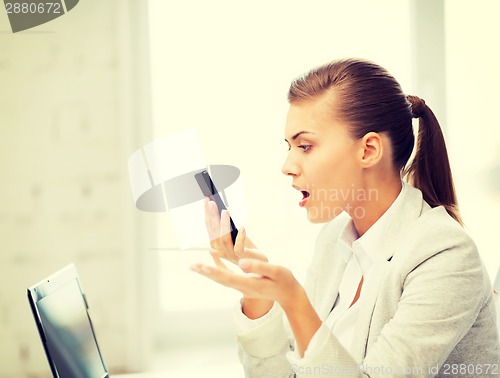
60, 310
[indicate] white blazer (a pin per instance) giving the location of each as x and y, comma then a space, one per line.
429, 312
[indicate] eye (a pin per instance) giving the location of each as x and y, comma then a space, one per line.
305, 147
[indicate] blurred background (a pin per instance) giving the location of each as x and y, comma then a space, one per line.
80, 94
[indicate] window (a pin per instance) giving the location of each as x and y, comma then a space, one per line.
224, 68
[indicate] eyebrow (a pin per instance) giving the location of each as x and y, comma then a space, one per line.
298, 134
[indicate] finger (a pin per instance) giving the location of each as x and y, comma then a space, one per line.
214, 221
208, 219
239, 245
225, 223
199, 268
225, 236
222, 276
263, 268
217, 253
218, 262
248, 285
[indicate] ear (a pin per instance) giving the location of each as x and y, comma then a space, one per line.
371, 150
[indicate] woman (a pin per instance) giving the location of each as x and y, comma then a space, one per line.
396, 286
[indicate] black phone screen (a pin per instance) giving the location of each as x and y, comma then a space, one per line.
209, 190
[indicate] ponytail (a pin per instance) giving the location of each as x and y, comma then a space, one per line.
430, 170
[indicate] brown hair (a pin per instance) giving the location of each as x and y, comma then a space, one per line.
368, 98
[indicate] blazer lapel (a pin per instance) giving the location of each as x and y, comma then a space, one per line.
329, 270
370, 292
397, 232
330, 291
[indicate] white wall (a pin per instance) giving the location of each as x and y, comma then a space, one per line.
473, 79
66, 131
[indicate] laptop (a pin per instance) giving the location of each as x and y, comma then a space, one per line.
60, 309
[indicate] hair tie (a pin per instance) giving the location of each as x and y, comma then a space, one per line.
417, 106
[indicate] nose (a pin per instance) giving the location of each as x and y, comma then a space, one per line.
290, 167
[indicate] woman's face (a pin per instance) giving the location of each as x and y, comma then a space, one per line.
322, 160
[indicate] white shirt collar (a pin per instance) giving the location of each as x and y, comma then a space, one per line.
347, 236
369, 245
371, 240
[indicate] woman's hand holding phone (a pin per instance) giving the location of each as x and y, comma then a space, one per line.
266, 282
219, 232
222, 247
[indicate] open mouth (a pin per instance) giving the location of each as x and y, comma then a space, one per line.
305, 196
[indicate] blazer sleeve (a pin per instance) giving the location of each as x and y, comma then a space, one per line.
262, 349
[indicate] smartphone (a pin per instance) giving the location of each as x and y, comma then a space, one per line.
209, 190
